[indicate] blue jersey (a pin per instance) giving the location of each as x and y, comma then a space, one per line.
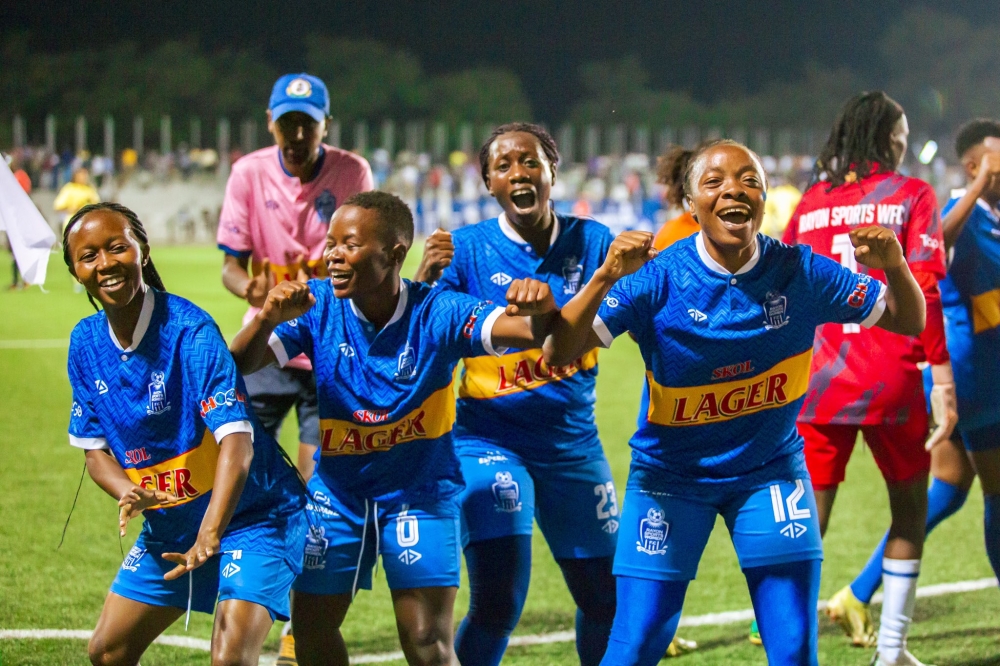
386, 398
970, 295
727, 358
515, 400
161, 407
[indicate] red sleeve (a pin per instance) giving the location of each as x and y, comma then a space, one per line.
790, 237
932, 338
924, 243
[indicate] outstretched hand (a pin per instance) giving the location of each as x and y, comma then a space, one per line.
529, 298
627, 254
136, 500
287, 301
877, 247
205, 546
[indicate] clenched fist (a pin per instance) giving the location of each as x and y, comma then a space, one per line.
438, 253
286, 301
627, 254
529, 298
877, 247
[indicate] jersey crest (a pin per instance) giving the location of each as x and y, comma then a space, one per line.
157, 395
774, 310
572, 274
325, 204
653, 533
316, 546
506, 493
407, 364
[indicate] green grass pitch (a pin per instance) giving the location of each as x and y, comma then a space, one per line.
42, 588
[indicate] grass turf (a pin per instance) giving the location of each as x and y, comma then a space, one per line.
41, 587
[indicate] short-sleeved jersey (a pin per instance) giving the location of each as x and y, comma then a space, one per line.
516, 400
267, 213
867, 376
971, 298
161, 407
386, 398
727, 359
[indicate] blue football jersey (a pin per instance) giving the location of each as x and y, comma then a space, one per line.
161, 407
386, 398
727, 358
970, 295
516, 400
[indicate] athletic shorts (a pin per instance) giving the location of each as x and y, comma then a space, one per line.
574, 502
419, 543
662, 536
898, 449
982, 439
274, 391
233, 574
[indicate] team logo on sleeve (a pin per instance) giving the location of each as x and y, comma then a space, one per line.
506, 493
325, 204
157, 395
316, 545
76, 410
572, 274
774, 310
406, 365
653, 534
131, 561
299, 88
860, 293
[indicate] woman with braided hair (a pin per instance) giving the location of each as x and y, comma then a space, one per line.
162, 415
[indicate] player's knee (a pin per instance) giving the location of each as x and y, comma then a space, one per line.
426, 644
592, 585
230, 656
101, 653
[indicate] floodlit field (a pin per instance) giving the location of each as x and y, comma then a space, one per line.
45, 588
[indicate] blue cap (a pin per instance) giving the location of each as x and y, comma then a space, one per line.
299, 92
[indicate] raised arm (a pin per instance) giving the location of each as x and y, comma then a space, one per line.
284, 302
438, 253
954, 221
572, 329
905, 309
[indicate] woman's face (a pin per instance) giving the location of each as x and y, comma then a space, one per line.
359, 254
107, 258
520, 176
900, 133
727, 196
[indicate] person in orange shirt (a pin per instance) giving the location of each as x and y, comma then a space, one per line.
670, 168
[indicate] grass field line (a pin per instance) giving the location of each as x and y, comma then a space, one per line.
709, 619
52, 343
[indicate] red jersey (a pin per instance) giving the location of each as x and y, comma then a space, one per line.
869, 375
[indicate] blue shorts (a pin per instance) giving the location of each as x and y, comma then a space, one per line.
263, 579
419, 543
662, 536
982, 439
574, 502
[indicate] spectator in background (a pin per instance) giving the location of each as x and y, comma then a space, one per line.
670, 169
75, 194
782, 198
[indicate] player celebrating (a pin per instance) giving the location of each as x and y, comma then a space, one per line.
278, 204
725, 323
869, 379
525, 435
161, 412
387, 480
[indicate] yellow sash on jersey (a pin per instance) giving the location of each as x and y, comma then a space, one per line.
434, 418
187, 476
493, 376
986, 311
317, 268
713, 403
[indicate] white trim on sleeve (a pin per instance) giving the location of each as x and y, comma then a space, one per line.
878, 309
230, 428
602, 332
487, 333
88, 443
278, 347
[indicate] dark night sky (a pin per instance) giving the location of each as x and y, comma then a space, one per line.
709, 48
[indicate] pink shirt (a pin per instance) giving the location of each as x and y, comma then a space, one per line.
269, 214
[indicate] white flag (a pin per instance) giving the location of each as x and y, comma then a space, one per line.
29, 234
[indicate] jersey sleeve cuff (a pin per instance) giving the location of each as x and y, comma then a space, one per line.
602, 332
878, 309
88, 443
240, 254
278, 347
487, 333
230, 428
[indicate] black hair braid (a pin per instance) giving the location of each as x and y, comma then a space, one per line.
149, 273
539, 132
860, 140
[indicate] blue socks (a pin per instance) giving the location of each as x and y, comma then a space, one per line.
784, 601
499, 574
943, 500
640, 635
991, 525
592, 585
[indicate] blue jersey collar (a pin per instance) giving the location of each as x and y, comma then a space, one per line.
145, 316
400, 306
510, 232
716, 267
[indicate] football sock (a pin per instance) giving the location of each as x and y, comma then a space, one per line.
641, 634
899, 579
784, 600
943, 499
991, 523
592, 585
499, 574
